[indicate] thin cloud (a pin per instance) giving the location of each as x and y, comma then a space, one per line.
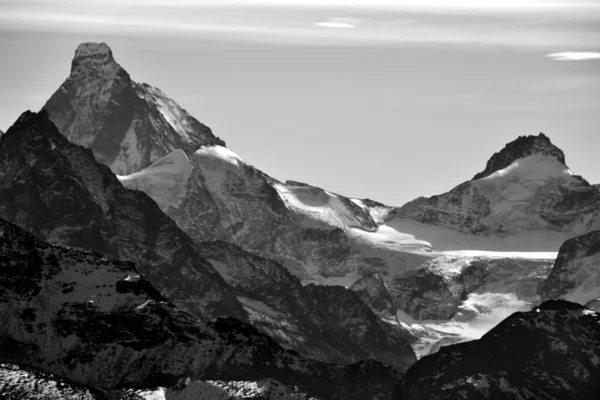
339, 23
574, 56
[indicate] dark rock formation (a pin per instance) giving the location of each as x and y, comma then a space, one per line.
550, 352
521, 147
575, 275
100, 323
56, 190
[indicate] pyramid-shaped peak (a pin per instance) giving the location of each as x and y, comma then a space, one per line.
521, 147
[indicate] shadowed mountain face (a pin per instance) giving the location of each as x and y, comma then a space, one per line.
526, 188
550, 352
98, 322
56, 190
127, 125
575, 275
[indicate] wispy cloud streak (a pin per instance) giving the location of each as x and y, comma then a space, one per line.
574, 56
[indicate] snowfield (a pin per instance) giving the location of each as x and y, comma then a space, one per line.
164, 180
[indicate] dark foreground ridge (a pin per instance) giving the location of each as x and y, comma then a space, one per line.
550, 352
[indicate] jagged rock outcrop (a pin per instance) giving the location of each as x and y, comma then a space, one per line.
521, 147
575, 275
127, 125
372, 291
56, 190
550, 352
324, 322
98, 322
438, 289
524, 188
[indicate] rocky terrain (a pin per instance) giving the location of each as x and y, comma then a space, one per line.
550, 352
96, 322
525, 188
56, 190
575, 275
326, 238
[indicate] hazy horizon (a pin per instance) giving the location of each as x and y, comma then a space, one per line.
387, 100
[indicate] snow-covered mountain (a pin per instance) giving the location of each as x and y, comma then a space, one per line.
525, 195
96, 322
575, 275
409, 264
57, 190
549, 352
126, 124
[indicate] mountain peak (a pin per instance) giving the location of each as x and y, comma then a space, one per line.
94, 56
521, 147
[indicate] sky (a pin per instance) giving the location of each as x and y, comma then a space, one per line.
381, 99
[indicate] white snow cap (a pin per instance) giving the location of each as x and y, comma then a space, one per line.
220, 153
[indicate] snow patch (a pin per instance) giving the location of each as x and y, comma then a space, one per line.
165, 180
175, 116
512, 190
389, 238
444, 239
259, 306
320, 208
220, 153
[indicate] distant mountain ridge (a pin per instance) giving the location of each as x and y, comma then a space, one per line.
525, 188
550, 352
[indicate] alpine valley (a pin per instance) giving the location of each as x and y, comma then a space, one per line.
141, 258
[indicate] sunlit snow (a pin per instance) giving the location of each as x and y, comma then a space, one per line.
164, 180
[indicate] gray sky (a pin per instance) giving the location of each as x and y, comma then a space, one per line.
383, 99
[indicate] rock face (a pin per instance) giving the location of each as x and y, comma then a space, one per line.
575, 275
523, 146
323, 322
550, 352
373, 291
127, 125
56, 190
100, 323
524, 188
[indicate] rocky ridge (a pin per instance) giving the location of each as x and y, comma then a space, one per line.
56, 190
100, 323
575, 275
550, 352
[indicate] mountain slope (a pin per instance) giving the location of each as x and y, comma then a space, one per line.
127, 125
56, 190
575, 275
525, 189
550, 352
98, 322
